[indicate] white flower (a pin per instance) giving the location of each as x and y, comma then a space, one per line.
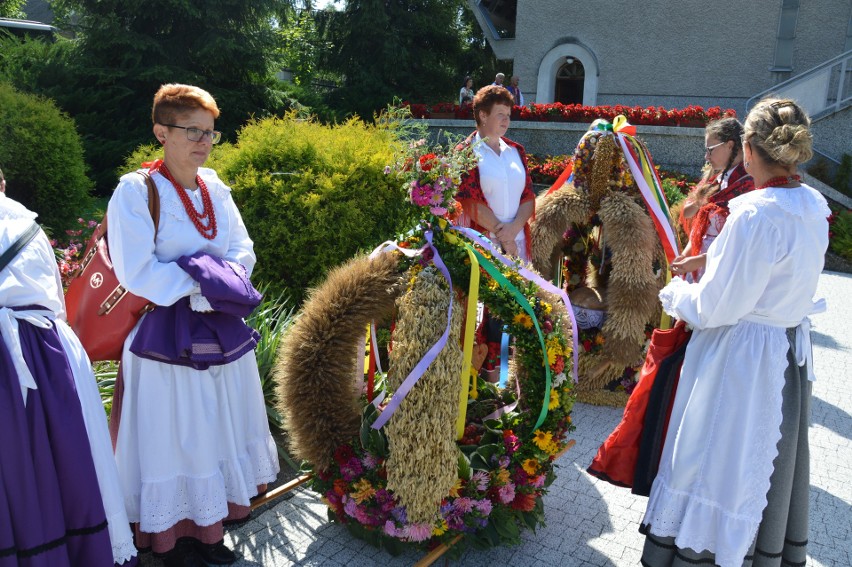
558, 379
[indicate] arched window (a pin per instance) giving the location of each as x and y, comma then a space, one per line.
570, 80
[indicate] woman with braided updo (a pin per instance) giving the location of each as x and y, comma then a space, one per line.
732, 486
707, 205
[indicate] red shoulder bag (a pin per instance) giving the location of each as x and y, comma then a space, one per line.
100, 311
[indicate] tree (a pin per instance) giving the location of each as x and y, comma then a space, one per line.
127, 48
12, 8
395, 48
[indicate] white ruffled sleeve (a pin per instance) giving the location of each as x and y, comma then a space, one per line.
130, 231
739, 266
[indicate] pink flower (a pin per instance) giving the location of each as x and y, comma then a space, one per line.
506, 493
438, 211
463, 504
418, 532
480, 479
421, 195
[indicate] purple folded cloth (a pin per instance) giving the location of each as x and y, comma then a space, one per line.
178, 335
225, 285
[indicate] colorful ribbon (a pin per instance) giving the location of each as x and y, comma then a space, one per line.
503, 282
536, 279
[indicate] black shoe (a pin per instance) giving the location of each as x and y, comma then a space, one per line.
183, 555
215, 553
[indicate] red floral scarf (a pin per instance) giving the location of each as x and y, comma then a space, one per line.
739, 182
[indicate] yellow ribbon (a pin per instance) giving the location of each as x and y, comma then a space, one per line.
622, 126
469, 333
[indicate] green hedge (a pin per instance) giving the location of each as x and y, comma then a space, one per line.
311, 195
42, 158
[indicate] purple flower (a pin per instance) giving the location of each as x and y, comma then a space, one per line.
369, 461
480, 479
350, 507
418, 532
538, 481
437, 198
387, 169
503, 461
385, 500
463, 504
351, 470
391, 529
399, 514
506, 493
484, 506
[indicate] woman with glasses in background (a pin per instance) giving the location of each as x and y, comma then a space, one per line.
191, 437
706, 208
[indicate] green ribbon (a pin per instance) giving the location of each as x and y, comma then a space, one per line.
503, 282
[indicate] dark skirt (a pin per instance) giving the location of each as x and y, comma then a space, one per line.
51, 513
782, 536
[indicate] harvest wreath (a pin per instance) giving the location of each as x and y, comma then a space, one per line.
428, 454
458, 456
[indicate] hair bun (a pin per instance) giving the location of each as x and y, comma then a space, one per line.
790, 144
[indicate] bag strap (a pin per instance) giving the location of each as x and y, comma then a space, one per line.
16, 247
153, 207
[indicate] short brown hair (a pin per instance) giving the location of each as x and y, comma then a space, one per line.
174, 99
488, 96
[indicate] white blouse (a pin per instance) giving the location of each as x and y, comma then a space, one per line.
502, 177
150, 270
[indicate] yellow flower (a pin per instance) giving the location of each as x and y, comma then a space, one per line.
363, 491
492, 285
530, 466
554, 400
546, 307
542, 438
599, 339
501, 477
440, 529
524, 320
454, 491
551, 448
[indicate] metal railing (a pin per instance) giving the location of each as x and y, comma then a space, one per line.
821, 91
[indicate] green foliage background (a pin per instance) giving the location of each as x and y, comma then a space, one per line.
42, 159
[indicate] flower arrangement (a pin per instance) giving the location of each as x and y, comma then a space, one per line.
691, 116
431, 173
504, 460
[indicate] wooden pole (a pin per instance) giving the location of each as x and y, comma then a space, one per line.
436, 553
281, 490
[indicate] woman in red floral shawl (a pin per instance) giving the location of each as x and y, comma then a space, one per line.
496, 196
706, 208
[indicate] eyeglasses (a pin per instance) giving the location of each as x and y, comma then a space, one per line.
195, 135
709, 149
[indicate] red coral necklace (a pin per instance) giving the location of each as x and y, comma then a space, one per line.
207, 212
780, 180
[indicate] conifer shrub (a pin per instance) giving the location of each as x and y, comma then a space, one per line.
42, 159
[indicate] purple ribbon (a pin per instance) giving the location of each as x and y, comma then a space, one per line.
421, 367
535, 278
